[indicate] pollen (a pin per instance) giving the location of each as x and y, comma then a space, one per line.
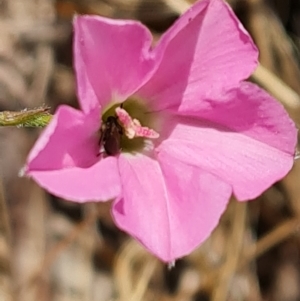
132, 127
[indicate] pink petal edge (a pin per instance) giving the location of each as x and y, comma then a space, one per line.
201, 55
115, 71
94, 183
64, 160
69, 140
248, 165
171, 208
248, 110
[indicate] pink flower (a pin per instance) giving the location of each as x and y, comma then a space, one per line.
205, 133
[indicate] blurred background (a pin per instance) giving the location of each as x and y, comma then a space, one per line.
54, 250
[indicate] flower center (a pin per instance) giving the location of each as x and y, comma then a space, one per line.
127, 127
133, 127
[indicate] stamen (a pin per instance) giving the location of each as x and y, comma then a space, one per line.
132, 127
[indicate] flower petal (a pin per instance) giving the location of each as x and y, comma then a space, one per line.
247, 140
251, 111
113, 54
64, 160
99, 182
170, 208
70, 140
205, 52
88, 100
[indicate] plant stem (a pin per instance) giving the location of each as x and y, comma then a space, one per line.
38, 117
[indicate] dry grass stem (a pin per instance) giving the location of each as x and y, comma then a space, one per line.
132, 284
270, 240
287, 96
6, 280
179, 6
233, 253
